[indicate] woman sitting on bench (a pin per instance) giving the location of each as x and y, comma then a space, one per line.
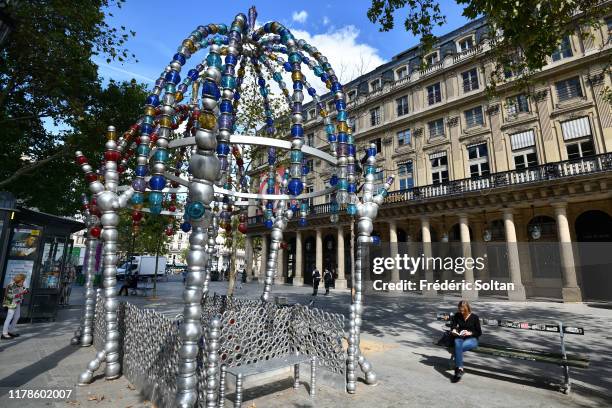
465, 329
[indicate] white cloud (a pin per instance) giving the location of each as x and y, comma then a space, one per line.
348, 57
325, 20
300, 16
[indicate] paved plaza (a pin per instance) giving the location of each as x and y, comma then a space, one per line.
397, 338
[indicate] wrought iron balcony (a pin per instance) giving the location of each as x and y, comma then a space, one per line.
545, 172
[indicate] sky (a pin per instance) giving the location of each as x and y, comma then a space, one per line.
339, 29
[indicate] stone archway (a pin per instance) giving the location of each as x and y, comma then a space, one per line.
545, 257
330, 255
594, 233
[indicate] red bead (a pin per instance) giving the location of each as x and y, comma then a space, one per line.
81, 160
172, 208
283, 245
136, 215
112, 155
91, 177
95, 232
242, 228
174, 184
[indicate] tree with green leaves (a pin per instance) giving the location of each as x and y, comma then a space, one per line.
523, 34
52, 101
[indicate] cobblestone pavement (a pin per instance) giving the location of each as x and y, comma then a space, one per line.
397, 337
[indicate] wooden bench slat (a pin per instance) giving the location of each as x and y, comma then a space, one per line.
532, 356
575, 357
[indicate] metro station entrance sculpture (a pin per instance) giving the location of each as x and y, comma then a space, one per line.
187, 358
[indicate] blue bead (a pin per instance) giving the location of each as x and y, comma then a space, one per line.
173, 77
261, 81
302, 222
305, 60
213, 60
155, 209
161, 155
180, 58
143, 150
305, 170
298, 86
287, 66
351, 209
342, 115
336, 87
331, 138
340, 105
155, 198
352, 150
195, 210
342, 137
153, 100
226, 106
312, 91
277, 76
231, 59
137, 198
211, 89
141, 171
295, 187
352, 188
268, 223
146, 128
223, 149
157, 182
324, 77
333, 180
294, 58
376, 240
297, 130
185, 226
228, 82
193, 74
318, 71
236, 96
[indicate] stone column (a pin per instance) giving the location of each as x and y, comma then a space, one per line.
466, 251
514, 265
319, 250
248, 257
426, 234
395, 276
298, 279
341, 279
263, 258
522, 236
571, 291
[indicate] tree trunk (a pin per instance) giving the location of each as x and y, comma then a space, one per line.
156, 266
232, 265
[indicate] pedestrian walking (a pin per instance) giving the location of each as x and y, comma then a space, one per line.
316, 278
13, 296
328, 279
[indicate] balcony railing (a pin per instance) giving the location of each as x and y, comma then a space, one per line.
545, 172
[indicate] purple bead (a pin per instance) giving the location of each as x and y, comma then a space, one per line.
225, 122
139, 184
224, 163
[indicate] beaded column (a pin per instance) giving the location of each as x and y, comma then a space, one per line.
212, 362
108, 202
84, 334
367, 211
283, 214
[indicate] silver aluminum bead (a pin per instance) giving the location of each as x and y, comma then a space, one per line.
209, 103
213, 74
205, 139
204, 166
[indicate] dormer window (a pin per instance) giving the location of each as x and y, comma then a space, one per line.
352, 96
375, 85
431, 59
465, 44
401, 73
312, 114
